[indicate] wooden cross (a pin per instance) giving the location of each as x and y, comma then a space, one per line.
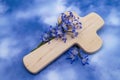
87, 39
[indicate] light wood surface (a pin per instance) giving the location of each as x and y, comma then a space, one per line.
87, 39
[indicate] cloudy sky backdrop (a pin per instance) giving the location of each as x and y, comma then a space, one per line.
23, 21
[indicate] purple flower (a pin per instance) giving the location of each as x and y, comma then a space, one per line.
79, 25
63, 25
71, 14
72, 58
64, 38
75, 34
45, 37
73, 54
52, 32
85, 60
84, 57
63, 17
74, 51
59, 32
66, 21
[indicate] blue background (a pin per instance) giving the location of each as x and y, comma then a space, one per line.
23, 21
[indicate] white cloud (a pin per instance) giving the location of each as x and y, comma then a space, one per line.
4, 19
59, 74
105, 59
3, 8
8, 48
49, 12
53, 75
110, 42
113, 18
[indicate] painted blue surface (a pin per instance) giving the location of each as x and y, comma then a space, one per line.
23, 21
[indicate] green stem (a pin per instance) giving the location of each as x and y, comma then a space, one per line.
42, 43
80, 55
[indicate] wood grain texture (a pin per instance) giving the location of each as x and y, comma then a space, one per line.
87, 39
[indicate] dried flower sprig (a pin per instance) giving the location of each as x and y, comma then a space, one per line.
69, 23
74, 53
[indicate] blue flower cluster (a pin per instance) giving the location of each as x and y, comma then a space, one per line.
69, 24
74, 54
